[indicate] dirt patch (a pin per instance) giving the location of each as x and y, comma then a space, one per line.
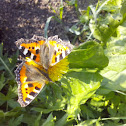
24, 18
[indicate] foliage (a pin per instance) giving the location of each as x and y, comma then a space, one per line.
93, 90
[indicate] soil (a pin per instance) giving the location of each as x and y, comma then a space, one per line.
25, 18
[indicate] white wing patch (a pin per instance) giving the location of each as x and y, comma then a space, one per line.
25, 51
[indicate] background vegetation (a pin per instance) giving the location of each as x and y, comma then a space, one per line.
93, 92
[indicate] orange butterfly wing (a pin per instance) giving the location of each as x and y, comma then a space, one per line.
30, 82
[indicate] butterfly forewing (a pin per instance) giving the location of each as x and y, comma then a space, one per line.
60, 49
30, 83
30, 48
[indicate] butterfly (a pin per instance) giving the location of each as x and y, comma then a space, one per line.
41, 55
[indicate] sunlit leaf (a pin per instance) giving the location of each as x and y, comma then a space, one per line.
88, 55
79, 87
115, 73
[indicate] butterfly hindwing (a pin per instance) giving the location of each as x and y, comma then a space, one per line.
30, 83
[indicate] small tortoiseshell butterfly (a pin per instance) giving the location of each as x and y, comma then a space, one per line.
40, 55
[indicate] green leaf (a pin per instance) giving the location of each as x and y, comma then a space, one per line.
47, 25
49, 121
114, 2
61, 10
51, 99
89, 122
13, 112
121, 30
112, 6
2, 81
1, 114
75, 30
12, 92
115, 73
38, 119
15, 121
123, 9
39, 109
78, 99
62, 121
7, 64
97, 101
28, 116
2, 98
79, 87
103, 90
121, 110
88, 55
86, 112
13, 103
104, 28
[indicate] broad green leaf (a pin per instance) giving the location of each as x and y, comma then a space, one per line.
105, 27
115, 73
103, 90
123, 9
114, 3
79, 87
121, 31
88, 55
112, 6
49, 121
